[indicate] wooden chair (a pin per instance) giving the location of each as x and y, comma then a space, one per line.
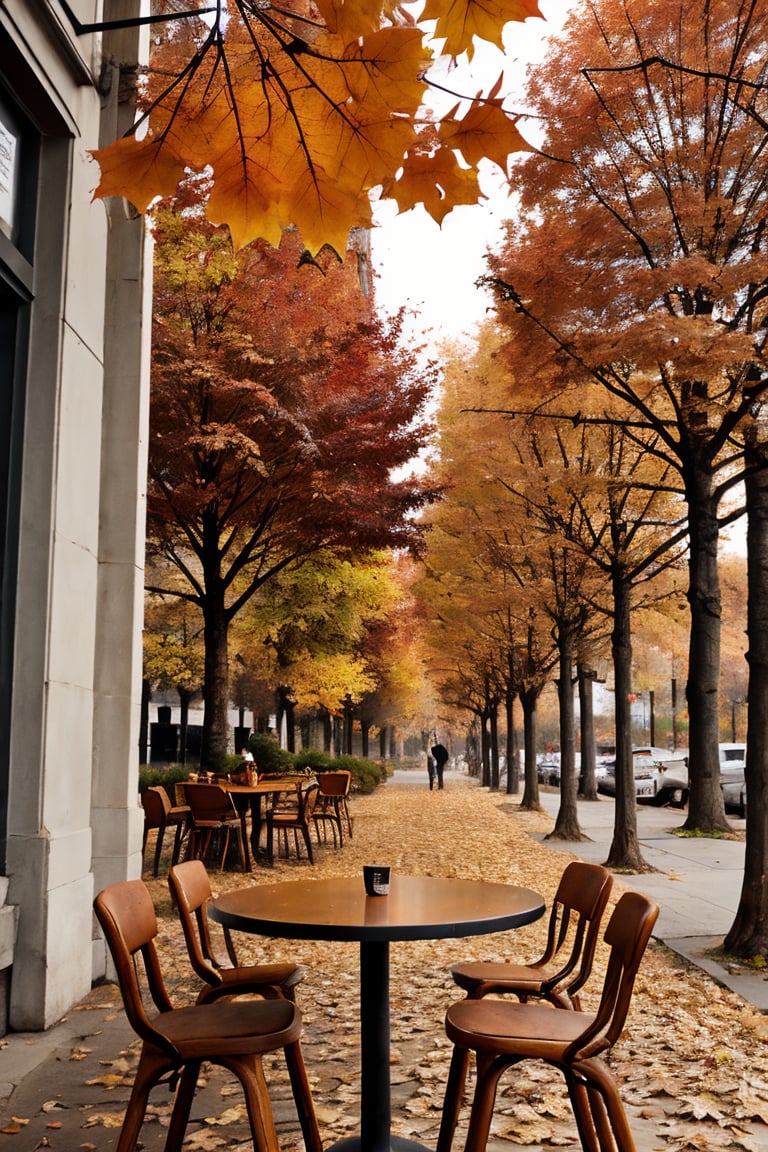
159, 813
191, 891
503, 1032
332, 803
297, 819
560, 972
176, 1041
212, 811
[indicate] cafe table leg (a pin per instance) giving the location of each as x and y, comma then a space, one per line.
375, 1093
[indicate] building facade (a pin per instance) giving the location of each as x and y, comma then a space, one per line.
74, 396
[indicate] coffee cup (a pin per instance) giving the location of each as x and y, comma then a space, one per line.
376, 878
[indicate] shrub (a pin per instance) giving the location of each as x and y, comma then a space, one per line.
268, 756
315, 759
167, 778
366, 774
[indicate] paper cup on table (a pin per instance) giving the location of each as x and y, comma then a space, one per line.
376, 877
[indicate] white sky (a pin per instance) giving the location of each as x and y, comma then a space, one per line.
432, 269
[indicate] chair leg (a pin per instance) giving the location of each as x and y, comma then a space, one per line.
303, 1098
308, 842
250, 1073
182, 1106
488, 1074
585, 1115
151, 1068
158, 849
177, 841
610, 1113
454, 1094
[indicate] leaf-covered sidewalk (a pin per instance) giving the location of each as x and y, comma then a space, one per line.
693, 1059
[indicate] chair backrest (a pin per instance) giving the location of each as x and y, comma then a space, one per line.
156, 806
335, 783
627, 934
127, 916
209, 802
577, 911
191, 891
307, 800
179, 795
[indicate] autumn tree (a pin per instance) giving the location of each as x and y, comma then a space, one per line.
638, 261
281, 404
306, 631
605, 492
174, 653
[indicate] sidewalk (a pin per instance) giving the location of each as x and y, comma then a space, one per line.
697, 884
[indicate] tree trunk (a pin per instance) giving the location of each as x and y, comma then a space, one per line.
587, 778
365, 729
493, 721
512, 759
748, 936
146, 696
185, 698
706, 812
529, 698
216, 684
485, 759
625, 848
567, 822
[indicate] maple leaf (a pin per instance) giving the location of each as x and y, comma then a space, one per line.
460, 21
140, 170
486, 131
436, 181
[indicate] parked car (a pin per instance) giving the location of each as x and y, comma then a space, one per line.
735, 797
673, 782
645, 777
648, 763
733, 757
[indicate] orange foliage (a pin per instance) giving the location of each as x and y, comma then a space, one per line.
298, 118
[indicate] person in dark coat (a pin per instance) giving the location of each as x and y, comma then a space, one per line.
440, 756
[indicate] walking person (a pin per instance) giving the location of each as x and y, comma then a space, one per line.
440, 756
431, 770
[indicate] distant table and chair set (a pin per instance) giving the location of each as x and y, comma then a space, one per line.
512, 1011
217, 812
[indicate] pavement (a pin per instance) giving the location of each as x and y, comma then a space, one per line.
52, 1084
697, 883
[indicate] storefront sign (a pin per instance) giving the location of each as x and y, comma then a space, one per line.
8, 153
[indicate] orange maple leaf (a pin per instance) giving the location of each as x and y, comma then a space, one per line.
486, 131
435, 180
460, 21
140, 170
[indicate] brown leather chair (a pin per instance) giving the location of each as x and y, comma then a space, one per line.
191, 891
178, 1040
503, 1032
212, 810
298, 818
159, 813
566, 962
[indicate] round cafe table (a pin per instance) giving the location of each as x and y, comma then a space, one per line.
417, 908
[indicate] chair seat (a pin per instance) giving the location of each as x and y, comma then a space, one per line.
208, 1031
480, 976
503, 1026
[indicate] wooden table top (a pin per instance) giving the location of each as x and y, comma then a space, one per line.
417, 908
